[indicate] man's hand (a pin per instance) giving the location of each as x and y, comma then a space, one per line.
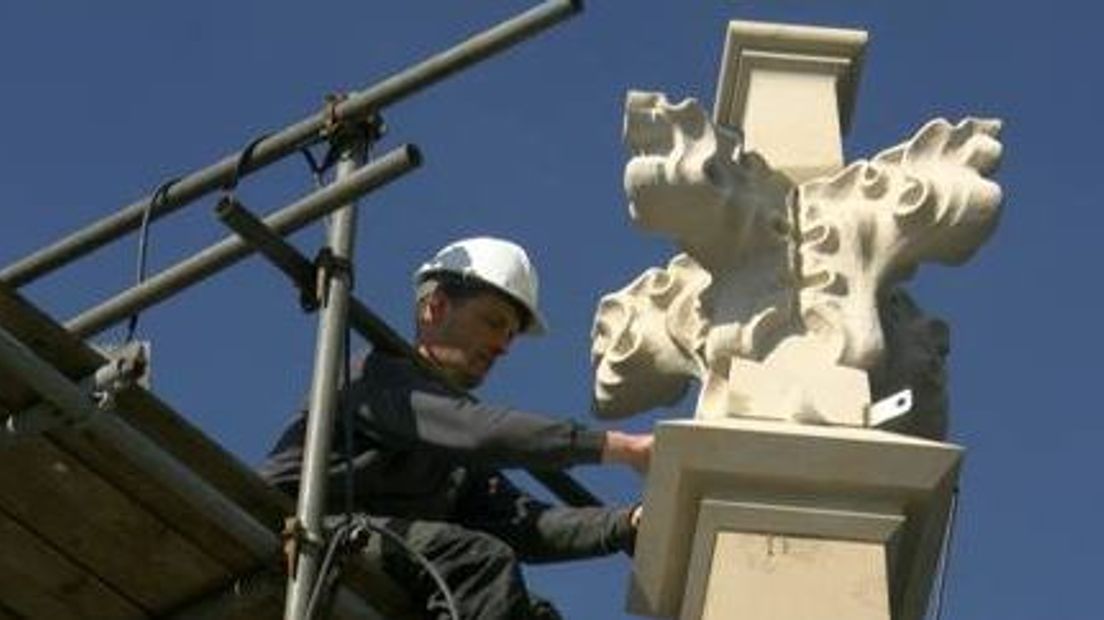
628, 449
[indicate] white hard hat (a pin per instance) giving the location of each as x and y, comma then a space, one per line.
502, 264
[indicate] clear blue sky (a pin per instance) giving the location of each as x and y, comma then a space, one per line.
101, 101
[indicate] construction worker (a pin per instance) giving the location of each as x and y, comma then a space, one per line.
425, 461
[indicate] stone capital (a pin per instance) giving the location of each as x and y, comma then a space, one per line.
790, 90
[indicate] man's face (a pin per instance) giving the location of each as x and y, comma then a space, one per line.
465, 337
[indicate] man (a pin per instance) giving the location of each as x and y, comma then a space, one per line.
425, 458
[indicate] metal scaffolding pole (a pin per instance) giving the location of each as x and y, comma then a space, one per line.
232, 249
306, 132
328, 368
302, 272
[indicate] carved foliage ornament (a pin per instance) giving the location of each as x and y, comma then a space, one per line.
782, 296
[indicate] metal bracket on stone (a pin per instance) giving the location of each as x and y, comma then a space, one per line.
126, 366
890, 408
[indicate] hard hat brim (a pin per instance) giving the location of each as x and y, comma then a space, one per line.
536, 325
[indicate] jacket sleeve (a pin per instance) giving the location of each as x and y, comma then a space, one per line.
419, 417
539, 532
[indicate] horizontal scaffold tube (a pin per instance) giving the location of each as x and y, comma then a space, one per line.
301, 271
232, 249
289, 140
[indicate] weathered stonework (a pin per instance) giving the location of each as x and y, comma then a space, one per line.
786, 304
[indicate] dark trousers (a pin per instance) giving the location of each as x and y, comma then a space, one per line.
480, 569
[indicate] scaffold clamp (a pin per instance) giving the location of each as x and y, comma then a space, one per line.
126, 366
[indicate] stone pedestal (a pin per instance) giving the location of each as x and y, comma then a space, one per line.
790, 89
761, 520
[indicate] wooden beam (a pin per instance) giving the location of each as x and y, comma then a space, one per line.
97, 527
40, 582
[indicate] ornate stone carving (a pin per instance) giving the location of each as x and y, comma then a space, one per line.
784, 298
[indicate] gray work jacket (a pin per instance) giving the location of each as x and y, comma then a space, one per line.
421, 452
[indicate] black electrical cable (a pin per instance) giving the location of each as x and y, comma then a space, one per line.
325, 577
158, 196
349, 531
347, 537
243, 161
363, 522
316, 169
347, 412
347, 421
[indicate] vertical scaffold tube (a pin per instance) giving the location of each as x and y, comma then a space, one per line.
329, 353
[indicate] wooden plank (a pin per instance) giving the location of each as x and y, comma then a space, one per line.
7, 613
157, 420
153, 417
191, 521
48, 339
250, 596
141, 409
37, 581
134, 553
